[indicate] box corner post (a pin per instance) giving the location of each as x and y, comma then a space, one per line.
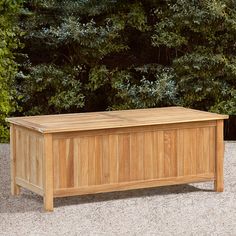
219, 161
48, 173
15, 189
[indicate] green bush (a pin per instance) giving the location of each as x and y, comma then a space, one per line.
9, 42
98, 55
200, 37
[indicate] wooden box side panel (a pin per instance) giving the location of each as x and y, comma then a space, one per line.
116, 158
29, 159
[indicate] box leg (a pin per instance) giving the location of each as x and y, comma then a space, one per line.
15, 189
48, 203
219, 163
48, 173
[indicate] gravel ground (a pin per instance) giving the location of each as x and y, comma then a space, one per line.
177, 210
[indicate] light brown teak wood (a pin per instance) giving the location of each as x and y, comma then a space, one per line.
85, 153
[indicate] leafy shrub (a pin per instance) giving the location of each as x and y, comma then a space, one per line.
9, 42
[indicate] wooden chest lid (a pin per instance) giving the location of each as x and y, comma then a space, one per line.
113, 119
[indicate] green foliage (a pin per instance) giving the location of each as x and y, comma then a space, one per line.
104, 39
49, 89
92, 55
8, 68
202, 35
155, 87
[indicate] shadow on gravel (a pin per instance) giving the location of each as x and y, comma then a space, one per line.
30, 202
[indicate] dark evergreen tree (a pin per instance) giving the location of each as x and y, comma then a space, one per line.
92, 55
89, 55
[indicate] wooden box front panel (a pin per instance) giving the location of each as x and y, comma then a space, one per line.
133, 154
29, 157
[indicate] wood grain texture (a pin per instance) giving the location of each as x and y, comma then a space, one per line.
15, 189
113, 119
102, 159
29, 156
48, 172
132, 185
113, 151
219, 171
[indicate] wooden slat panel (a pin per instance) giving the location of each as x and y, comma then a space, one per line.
180, 152
76, 162
187, 160
136, 156
83, 162
19, 153
170, 160
27, 156
148, 155
212, 152
40, 162
193, 150
56, 167
206, 149
124, 157
113, 152
160, 154
62, 163
33, 159
98, 159
23, 155
70, 162
200, 151
105, 160
91, 161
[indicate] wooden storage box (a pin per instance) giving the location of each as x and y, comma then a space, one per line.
74, 154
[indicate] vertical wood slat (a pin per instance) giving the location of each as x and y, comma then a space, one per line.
33, 160
212, 151
148, 155
18, 154
56, 166
192, 145
206, 149
170, 161
70, 162
180, 152
83, 162
62, 163
91, 161
201, 158
136, 156
113, 152
98, 159
76, 162
124, 157
27, 157
160, 154
105, 160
